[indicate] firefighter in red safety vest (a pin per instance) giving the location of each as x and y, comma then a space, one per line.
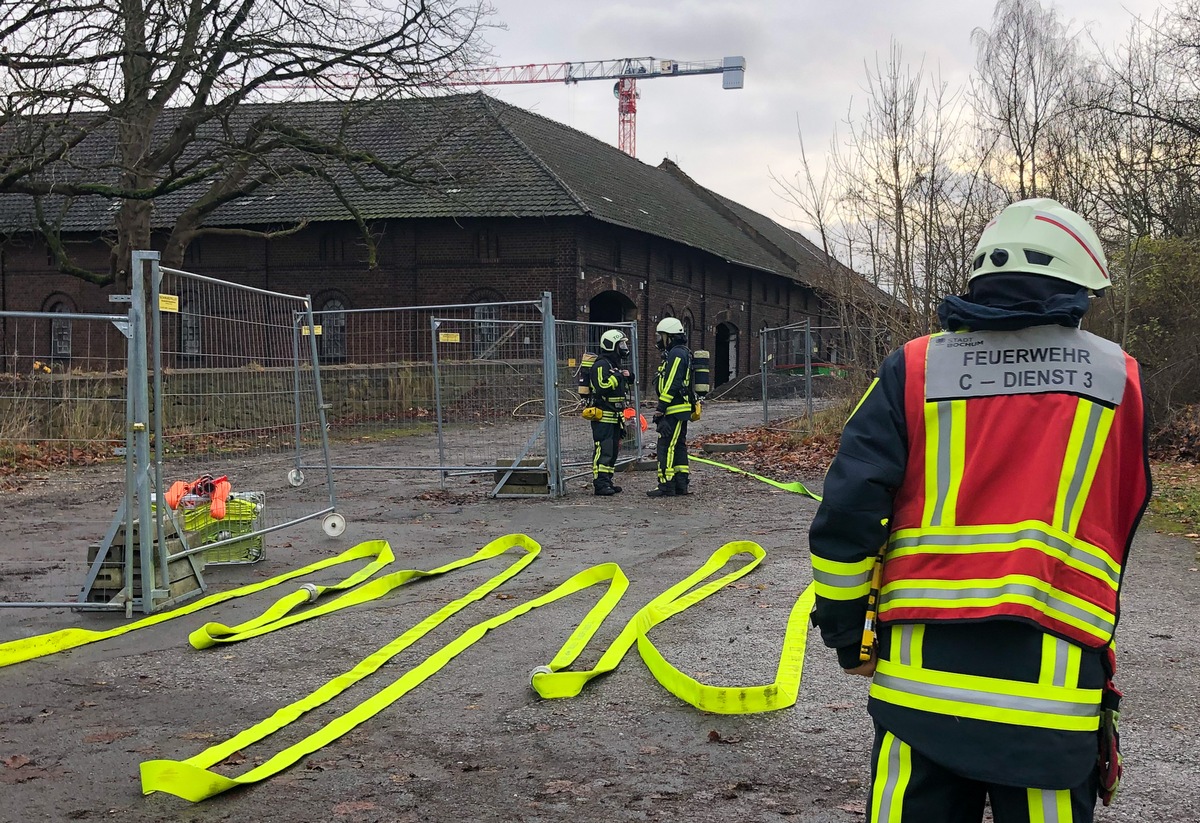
676, 406
608, 382
1001, 465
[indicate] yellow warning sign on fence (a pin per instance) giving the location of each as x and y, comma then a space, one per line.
449, 337
168, 303
305, 330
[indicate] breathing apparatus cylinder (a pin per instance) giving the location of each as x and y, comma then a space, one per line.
583, 377
701, 374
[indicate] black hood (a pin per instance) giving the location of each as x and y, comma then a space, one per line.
1004, 302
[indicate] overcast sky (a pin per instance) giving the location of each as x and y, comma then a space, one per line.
805, 62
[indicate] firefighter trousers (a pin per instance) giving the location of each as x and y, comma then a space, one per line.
907, 787
606, 438
672, 450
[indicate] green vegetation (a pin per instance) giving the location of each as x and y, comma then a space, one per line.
1175, 507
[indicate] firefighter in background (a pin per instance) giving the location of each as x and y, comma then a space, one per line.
1002, 465
676, 404
608, 382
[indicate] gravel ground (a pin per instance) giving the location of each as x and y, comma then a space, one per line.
474, 743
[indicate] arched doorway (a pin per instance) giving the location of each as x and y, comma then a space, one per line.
725, 354
608, 307
611, 307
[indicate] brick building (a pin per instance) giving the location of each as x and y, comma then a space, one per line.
508, 204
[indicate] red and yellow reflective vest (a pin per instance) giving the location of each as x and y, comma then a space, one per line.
980, 531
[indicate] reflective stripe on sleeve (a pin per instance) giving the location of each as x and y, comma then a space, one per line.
834, 580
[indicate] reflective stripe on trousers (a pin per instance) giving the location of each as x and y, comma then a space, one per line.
908, 787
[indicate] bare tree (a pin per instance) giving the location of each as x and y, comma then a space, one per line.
1025, 66
168, 83
904, 196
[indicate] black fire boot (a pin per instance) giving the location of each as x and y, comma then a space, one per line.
681, 484
603, 488
663, 490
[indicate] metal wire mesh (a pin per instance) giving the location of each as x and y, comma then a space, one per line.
240, 396
786, 371
378, 374
572, 340
490, 381
62, 431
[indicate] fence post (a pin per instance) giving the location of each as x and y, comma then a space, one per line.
319, 396
554, 468
437, 399
808, 398
140, 398
635, 359
156, 362
762, 360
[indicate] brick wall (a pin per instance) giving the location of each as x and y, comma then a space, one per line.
467, 260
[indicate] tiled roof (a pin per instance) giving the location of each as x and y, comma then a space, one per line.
481, 158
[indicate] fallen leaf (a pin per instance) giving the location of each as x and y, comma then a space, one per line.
504, 597
853, 808
16, 761
235, 759
196, 735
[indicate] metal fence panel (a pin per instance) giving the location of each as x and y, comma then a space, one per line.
378, 377
572, 340
239, 394
803, 359
490, 381
63, 431
786, 367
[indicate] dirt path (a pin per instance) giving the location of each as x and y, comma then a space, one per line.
474, 743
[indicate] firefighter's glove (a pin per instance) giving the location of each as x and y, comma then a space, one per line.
592, 413
695, 412
657, 418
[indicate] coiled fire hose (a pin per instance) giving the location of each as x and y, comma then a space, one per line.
194, 780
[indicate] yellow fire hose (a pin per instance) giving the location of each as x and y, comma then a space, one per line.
193, 780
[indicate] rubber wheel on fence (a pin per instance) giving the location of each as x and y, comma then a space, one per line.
296, 477
334, 524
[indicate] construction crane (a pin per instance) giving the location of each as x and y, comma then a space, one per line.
626, 71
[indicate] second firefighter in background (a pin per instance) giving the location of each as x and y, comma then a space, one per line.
609, 381
676, 405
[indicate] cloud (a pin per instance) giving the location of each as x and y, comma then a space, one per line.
805, 63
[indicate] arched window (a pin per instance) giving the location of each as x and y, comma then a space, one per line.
688, 325
190, 332
486, 330
332, 319
60, 332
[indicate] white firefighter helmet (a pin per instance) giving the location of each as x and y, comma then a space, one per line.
1042, 236
670, 325
614, 340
